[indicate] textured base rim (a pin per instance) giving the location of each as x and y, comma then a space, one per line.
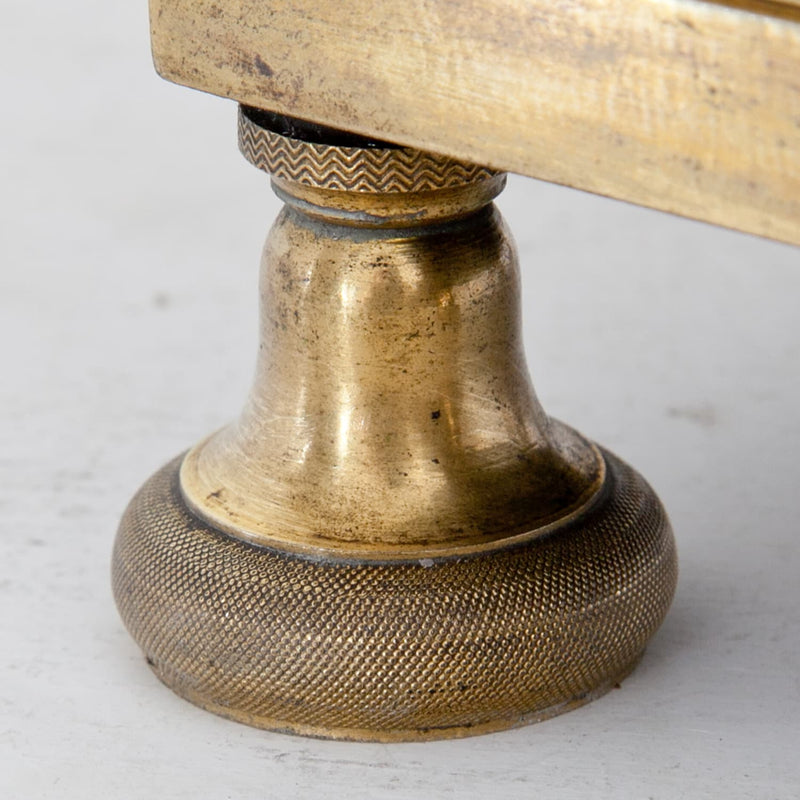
394, 651
394, 736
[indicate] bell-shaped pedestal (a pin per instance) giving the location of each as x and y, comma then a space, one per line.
393, 541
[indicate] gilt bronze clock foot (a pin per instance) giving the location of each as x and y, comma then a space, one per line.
393, 541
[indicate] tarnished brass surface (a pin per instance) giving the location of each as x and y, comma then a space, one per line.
410, 650
686, 106
392, 412
393, 541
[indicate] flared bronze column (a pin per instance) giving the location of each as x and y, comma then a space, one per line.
393, 541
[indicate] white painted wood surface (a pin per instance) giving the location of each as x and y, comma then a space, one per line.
129, 255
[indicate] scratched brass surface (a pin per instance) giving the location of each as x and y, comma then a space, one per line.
685, 106
393, 541
392, 411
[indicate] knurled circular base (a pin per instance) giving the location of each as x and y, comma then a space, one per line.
394, 651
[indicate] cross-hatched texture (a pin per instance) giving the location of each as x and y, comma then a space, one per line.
354, 169
371, 650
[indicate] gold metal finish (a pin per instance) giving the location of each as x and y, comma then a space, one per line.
682, 105
392, 411
393, 541
398, 651
372, 170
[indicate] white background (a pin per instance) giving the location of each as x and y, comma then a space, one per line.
131, 231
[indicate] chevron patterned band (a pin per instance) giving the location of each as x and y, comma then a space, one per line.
353, 169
